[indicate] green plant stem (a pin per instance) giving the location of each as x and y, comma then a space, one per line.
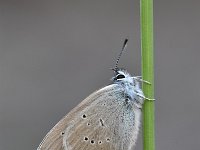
146, 16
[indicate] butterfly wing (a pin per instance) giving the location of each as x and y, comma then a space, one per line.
105, 120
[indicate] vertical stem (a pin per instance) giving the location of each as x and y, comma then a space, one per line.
146, 16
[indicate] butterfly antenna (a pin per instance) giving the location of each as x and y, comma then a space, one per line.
120, 54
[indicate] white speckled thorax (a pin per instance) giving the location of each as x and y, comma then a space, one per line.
130, 85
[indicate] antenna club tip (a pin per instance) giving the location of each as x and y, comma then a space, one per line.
125, 41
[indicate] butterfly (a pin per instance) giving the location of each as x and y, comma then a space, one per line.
108, 119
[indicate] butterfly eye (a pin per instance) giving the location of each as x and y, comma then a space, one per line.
120, 76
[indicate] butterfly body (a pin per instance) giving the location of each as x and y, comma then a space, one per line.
108, 119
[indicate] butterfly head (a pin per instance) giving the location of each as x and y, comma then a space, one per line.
121, 75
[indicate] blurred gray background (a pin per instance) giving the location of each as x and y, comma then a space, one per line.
53, 54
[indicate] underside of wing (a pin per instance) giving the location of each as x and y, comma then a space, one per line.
103, 121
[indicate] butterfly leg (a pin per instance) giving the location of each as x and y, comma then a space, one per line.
149, 99
142, 96
139, 78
